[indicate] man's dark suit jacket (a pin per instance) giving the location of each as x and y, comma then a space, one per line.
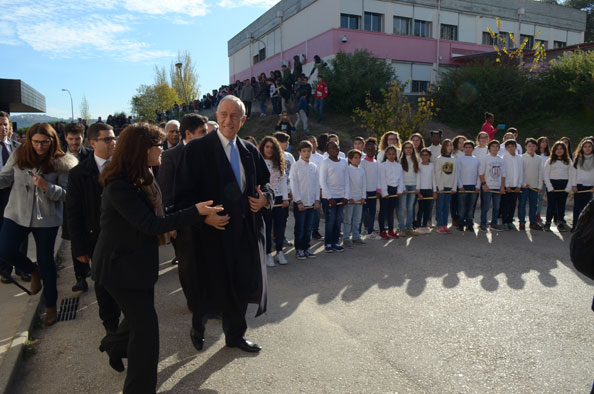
230, 263
166, 174
83, 155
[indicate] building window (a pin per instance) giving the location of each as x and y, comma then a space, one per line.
449, 32
505, 39
260, 56
544, 43
349, 21
487, 39
530, 39
373, 22
422, 29
402, 26
420, 86
559, 44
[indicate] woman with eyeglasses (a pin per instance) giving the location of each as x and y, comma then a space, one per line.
38, 172
126, 257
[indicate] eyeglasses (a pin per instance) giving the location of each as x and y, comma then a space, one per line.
42, 142
107, 140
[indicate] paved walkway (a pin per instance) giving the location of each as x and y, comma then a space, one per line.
459, 313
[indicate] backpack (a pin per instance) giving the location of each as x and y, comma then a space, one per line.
581, 247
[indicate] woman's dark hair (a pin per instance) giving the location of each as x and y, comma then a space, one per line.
444, 146
565, 158
579, 152
455, 142
547, 151
421, 145
28, 158
278, 157
413, 157
391, 147
130, 159
322, 142
567, 142
384, 140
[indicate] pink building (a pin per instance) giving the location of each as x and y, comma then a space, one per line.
419, 38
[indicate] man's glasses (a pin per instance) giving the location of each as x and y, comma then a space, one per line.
107, 140
41, 142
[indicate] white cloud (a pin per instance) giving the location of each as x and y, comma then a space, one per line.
160, 7
247, 3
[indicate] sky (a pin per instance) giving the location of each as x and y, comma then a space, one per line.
105, 49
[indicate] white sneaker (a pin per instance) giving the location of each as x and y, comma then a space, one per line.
374, 235
270, 261
280, 258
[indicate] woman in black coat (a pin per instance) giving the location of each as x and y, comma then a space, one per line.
126, 257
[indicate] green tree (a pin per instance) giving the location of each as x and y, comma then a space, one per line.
352, 77
185, 79
588, 6
151, 98
570, 81
395, 111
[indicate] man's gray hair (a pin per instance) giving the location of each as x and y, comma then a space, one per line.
213, 123
172, 121
236, 100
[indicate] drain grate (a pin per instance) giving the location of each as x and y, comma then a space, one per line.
68, 308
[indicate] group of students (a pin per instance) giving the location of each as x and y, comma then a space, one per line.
407, 178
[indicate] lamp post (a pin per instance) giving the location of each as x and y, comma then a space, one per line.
179, 69
71, 104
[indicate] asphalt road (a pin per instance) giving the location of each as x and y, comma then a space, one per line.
459, 313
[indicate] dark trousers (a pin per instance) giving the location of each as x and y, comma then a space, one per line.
143, 343
12, 235
556, 201
508, 207
303, 227
276, 105
333, 217
188, 276
109, 310
81, 270
248, 108
316, 220
387, 208
580, 200
466, 205
369, 211
425, 208
275, 220
454, 207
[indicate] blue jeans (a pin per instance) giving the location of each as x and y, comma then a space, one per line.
316, 220
487, 199
454, 206
11, 237
443, 207
369, 211
319, 108
333, 216
387, 208
263, 107
303, 227
407, 202
352, 220
531, 197
541, 200
466, 205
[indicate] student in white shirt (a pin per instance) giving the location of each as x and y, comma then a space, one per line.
557, 176
532, 186
447, 180
356, 200
516, 134
371, 168
275, 218
426, 189
492, 174
482, 141
435, 146
334, 138
544, 151
392, 184
305, 183
316, 158
457, 151
406, 205
359, 144
468, 186
583, 179
418, 143
334, 181
514, 179
506, 137
389, 138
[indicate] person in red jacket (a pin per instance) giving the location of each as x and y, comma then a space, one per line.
320, 95
488, 125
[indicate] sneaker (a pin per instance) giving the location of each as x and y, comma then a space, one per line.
562, 227
328, 249
316, 235
270, 260
393, 234
447, 230
309, 254
286, 242
428, 230
512, 227
496, 227
440, 229
384, 235
347, 243
412, 232
280, 258
470, 228
301, 255
482, 227
455, 223
536, 226
337, 248
522, 226
538, 218
547, 227
359, 241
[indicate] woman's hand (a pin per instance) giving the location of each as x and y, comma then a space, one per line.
40, 182
204, 208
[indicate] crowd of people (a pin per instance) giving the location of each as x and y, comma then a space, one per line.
183, 183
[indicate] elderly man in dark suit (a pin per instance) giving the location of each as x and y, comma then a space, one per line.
229, 247
192, 126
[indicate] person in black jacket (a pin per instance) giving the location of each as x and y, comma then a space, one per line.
230, 264
83, 204
126, 257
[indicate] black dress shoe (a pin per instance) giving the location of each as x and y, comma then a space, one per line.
175, 261
246, 346
115, 363
316, 235
197, 338
5, 279
25, 277
81, 285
